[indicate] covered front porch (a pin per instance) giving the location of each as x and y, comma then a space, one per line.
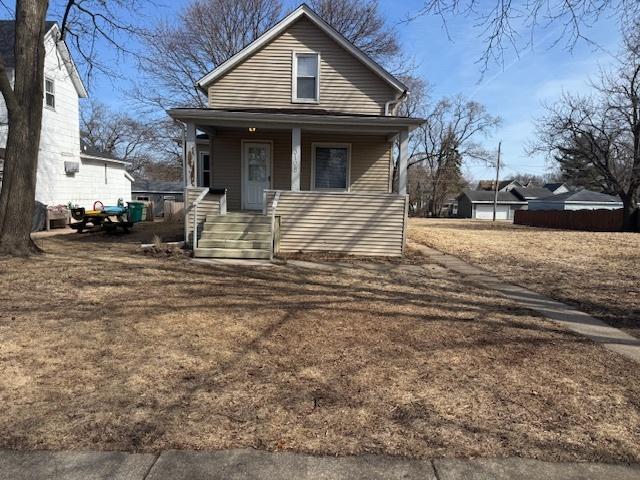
332, 171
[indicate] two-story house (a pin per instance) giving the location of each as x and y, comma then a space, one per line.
66, 172
299, 155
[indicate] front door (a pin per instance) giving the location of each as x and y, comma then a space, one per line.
256, 174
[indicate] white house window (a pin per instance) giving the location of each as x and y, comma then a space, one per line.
49, 93
306, 81
331, 167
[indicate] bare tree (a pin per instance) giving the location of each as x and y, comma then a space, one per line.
135, 141
177, 54
602, 131
450, 136
514, 24
362, 23
85, 24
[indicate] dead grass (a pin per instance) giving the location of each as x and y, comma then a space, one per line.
106, 348
598, 272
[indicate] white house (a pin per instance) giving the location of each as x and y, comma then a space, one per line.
66, 173
580, 200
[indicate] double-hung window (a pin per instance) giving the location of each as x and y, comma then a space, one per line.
306, 77
49, 93
331, 165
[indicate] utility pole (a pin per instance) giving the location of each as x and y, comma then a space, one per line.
495, 193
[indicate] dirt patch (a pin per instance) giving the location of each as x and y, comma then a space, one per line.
597, 272
105, 348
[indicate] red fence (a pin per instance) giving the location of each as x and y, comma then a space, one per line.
589, 220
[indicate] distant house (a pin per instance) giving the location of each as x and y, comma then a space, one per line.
67, 172
556, 188
479, 204
580, 200
157, 192
503, 185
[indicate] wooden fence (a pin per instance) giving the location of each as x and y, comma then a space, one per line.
588, 220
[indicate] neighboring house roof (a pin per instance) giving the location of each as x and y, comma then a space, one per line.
7, 51
553, 186
276, 30
581, 196
487, 196
7, 40
156, 186
490, 184
89, 151
530, 193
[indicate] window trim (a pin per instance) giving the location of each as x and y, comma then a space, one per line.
294, 77
314, 146
52, 93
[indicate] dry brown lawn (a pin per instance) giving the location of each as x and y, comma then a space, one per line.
106, 348
597, 272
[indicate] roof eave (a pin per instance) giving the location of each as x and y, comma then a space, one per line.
68, 61
183, 114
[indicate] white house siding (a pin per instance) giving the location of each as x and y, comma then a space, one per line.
60, 142
542, 205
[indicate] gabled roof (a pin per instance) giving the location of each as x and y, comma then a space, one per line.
7, 50
586, 196
89, 151
490, 184
486, 196
8, 39
530, 193
302, 11
553, 186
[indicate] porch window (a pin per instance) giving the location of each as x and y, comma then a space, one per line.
306, 77
205, 170
330, 169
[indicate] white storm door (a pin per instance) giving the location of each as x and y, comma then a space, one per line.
256, 176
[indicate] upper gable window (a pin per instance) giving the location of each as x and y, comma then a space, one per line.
49, 93
306, 77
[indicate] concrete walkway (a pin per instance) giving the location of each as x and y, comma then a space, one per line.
248, 464
572, 319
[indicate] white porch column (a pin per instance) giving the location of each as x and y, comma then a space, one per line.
296, 150
190, 156
403, 161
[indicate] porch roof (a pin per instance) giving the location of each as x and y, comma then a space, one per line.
312, 119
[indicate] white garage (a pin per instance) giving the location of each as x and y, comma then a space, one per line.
479, 204
485, 212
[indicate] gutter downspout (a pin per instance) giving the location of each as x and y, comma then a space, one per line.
387, 105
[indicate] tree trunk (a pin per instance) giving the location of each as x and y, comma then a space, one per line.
629, 208
24, 105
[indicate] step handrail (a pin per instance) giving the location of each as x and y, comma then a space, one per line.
274, 206
194, 206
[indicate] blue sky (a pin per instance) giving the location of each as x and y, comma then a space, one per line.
515, 92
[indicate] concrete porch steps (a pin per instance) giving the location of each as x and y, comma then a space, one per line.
235, 235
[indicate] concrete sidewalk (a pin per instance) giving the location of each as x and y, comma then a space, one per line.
248, 464
572, 319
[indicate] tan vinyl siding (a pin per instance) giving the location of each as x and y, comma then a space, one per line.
354, 223
227, 161
264, 79
209, 205
370, 160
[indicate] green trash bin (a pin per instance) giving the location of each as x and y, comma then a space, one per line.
135, 211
